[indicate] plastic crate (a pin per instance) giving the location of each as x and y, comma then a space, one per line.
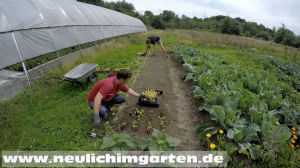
144, 101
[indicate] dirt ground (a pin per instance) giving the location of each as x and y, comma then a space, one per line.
178, 104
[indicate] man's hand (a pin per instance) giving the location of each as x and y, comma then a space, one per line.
133, 93
97, 120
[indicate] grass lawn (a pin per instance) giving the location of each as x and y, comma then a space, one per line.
56, 116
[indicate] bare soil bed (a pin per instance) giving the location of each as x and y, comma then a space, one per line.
178, 105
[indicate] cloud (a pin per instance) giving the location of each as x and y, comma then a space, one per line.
266, 12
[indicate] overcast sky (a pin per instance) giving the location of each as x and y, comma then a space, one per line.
267, 12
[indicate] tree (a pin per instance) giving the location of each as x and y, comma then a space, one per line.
250, 28
168, 15
284, 36
297, 42
158, 22
240, 20
124, 7
230, 26
149, 16
219, 17
225, 26
185, 22
94, 2
264, 35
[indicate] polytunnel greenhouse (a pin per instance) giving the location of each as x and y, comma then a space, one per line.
31, 28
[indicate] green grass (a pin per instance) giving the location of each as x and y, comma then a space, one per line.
57, 117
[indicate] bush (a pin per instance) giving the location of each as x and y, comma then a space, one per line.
284, 36
264, 35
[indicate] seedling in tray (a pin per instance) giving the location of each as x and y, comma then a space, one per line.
151, 94
150, 98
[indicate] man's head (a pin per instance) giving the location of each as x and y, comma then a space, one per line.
122, 76
148, 42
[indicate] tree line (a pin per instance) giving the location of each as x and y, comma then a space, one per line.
222, 24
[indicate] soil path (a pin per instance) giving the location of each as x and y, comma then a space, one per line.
178, 104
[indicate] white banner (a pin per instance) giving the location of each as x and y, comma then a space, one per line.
114, 159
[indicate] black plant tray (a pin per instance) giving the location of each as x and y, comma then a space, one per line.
144, 101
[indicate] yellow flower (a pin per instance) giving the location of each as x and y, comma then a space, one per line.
212, 146
293, 128
294, 132
208, 135
294, 136
292, 146
293, 141
221, 131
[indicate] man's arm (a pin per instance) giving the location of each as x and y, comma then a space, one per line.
97, 103
133, 93
147, 48
164, 50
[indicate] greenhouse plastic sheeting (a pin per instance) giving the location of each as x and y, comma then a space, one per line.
37, 27
11, 83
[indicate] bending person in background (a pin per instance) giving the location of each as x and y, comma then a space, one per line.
154, 40
104, 95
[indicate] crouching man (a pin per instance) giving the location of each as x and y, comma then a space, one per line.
154, 40
104, 95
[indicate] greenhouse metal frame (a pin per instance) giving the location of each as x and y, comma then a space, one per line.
31, 28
